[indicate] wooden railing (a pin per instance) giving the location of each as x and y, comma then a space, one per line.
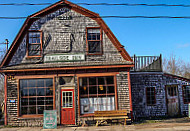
147, 63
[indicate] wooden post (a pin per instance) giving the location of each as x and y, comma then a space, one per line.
134, 62
7, 43
161, 62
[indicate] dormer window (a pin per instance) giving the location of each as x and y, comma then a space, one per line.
34, 46
94, 41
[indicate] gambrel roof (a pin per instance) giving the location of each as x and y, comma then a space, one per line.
30, 19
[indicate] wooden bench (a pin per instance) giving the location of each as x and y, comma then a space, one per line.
102, 117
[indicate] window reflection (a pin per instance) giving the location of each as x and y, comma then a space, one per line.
96, 94
36, 95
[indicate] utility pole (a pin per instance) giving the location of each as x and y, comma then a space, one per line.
7, 43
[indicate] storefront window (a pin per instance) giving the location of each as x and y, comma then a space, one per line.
97, 94
36, 95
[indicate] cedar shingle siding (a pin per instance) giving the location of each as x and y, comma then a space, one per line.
64, 37
139, 82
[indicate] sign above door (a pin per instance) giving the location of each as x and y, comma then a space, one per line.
64, 57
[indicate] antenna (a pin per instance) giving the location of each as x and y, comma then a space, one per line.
7, 43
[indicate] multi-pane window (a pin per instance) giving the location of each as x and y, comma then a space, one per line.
67, 99
96, 94
186, 93
34, 43
94, 44
172, 90
150, 96
36, 95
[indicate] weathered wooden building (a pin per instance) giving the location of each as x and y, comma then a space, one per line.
155, 93
65, 58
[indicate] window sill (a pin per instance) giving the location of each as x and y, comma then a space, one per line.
30, 57
30, 116
95, 54
186, 102
87, 115
152, 105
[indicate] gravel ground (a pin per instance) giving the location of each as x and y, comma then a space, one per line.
177, 124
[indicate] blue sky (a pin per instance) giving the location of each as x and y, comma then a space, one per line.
139, 36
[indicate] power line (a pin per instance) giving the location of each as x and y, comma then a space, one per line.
104, 4
118, 17
20, 4
143, 4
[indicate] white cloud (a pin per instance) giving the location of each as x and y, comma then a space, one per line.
183, 45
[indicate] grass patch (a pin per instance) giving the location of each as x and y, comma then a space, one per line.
7, 126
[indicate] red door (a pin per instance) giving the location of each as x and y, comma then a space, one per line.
67, 106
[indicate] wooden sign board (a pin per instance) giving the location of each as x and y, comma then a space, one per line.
64, 57
50, 119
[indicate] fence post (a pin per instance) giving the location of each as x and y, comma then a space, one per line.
134, 62
161, 62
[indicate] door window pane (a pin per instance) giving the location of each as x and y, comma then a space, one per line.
67, 99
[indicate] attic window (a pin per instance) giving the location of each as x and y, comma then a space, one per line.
94, 41
34, 45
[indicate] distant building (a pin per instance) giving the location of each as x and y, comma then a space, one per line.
155, 93
65, 58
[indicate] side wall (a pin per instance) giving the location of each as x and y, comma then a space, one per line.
139, 82
12, 108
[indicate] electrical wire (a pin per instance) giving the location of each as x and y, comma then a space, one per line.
20, 4
118, 17
102, 4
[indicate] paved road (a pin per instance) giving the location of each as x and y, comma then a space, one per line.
135, 127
